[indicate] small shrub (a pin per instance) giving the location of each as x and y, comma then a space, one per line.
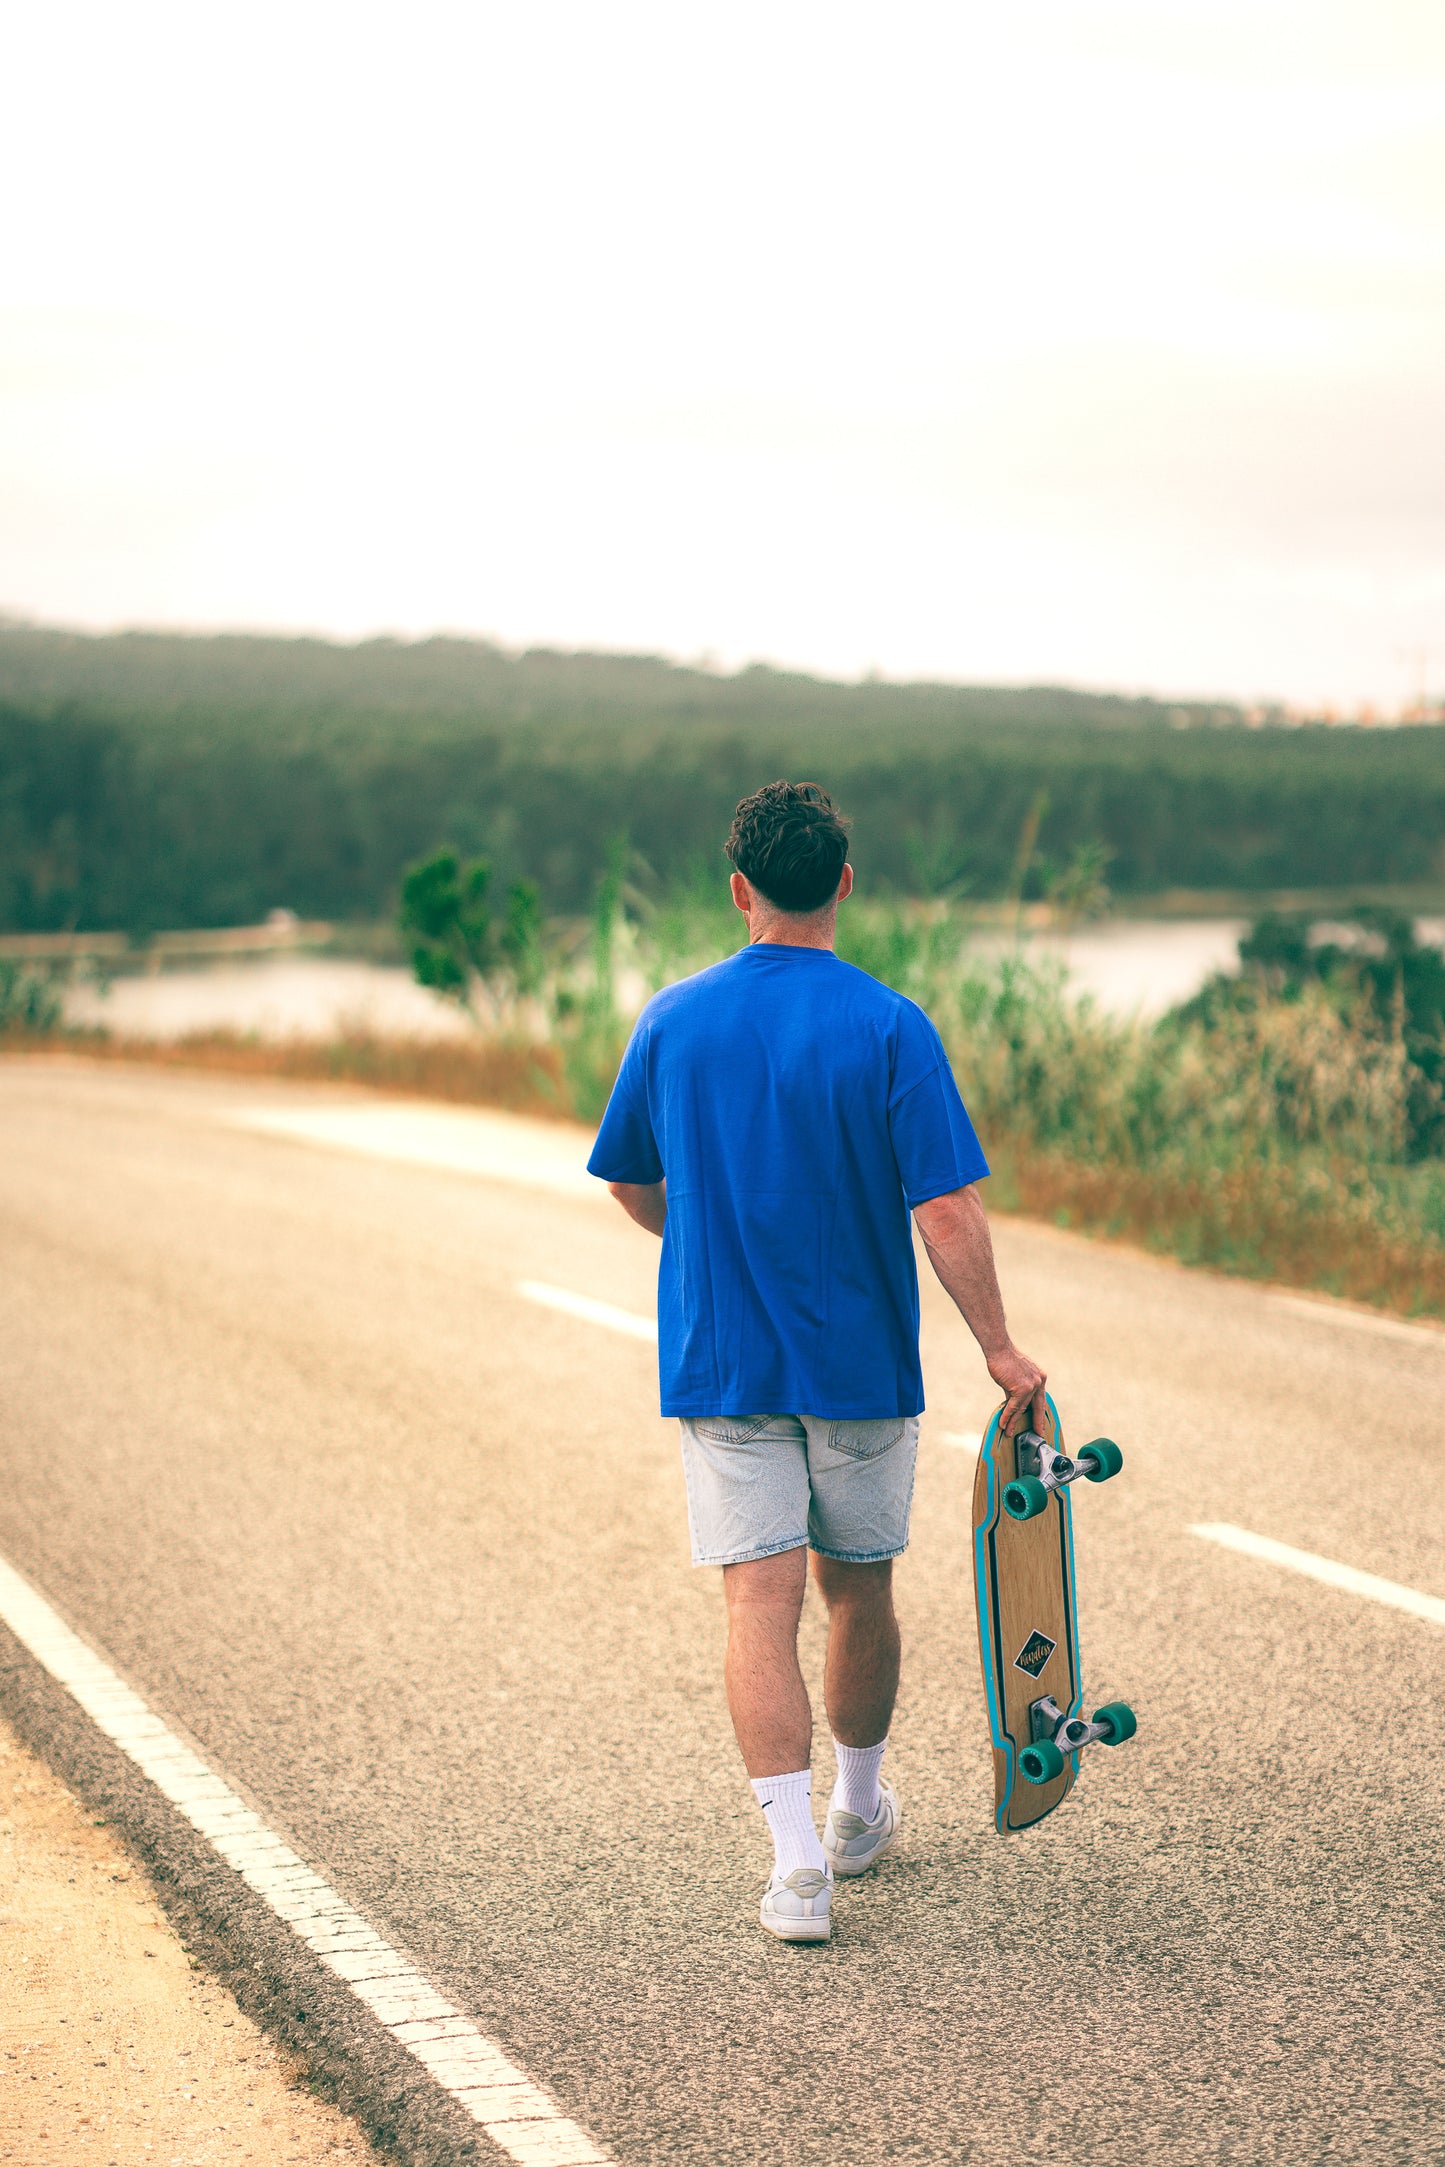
30, 998
459, 947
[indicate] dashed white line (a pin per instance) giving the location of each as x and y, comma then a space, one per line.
1359, 1320
516, 2114
1328, 1570
591, 1311
963, 1440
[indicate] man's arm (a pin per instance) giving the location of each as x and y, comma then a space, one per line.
646, 1202
955, 1234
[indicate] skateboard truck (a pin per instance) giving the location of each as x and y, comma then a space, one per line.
1041, 1469
1054, 1734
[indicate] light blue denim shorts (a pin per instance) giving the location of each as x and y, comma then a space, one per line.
760, 1483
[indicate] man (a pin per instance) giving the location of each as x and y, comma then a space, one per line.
775, 1120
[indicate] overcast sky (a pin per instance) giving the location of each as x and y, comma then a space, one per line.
1078, 340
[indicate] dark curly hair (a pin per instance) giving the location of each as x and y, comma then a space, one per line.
787, 840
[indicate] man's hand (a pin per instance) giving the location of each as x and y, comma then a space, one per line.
1023, 1381
955, 1234
644, 1201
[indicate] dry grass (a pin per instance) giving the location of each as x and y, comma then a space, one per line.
1276, 1222
523, 1079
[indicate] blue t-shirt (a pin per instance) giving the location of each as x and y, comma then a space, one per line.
798, 1110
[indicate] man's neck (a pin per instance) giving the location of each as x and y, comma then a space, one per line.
778, 930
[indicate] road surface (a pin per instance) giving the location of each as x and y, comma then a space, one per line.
402, 1553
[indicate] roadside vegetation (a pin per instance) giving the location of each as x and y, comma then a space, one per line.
31, 1000
1288, 1122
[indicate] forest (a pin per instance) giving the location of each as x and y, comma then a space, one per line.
161, 780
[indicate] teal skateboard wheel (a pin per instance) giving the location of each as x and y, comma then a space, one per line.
1119, 1717
1041, 1762
1100, 1460
1024, 1498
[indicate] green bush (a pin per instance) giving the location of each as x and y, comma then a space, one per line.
459, 947
1372, 968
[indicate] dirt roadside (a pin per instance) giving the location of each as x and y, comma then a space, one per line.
114, 2051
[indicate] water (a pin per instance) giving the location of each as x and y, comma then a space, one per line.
1128, 965
308, 997
1136, 966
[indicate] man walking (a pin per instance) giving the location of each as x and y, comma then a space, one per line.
775, 1121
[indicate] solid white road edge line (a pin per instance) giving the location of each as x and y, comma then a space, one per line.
582, 1305
516, 2114
1357, 1320
1328, 1570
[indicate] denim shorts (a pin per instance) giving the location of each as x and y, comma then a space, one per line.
760, 1483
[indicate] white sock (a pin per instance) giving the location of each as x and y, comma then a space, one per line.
787, 1803
856, 1790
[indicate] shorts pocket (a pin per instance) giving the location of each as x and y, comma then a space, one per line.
867, 1440
729, 1429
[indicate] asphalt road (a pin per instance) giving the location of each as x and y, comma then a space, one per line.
405, 1555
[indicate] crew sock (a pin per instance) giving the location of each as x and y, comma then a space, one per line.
787, 1803
856, 1790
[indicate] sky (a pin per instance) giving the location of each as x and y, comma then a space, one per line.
1101, 344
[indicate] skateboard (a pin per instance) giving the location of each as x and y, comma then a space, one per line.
1028, 1627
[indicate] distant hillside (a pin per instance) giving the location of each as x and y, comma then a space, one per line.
242, 681
154, 780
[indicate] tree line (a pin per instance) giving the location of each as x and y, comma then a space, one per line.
214, 811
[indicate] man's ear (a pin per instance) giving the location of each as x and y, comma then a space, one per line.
845, 885
742, 894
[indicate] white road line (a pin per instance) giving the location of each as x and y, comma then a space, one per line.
582, 1305
964, 1440
515, 2113
1328, 1570
457, 1140
1357, 1320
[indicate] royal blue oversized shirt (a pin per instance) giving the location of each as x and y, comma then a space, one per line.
798, 1110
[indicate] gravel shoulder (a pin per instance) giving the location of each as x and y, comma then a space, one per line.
114, 2048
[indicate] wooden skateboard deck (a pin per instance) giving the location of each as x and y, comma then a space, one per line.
1028, 1627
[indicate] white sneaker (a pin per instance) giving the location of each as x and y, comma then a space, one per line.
796, 1907
852, 1844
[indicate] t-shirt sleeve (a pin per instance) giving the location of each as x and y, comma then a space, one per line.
626, 1148
933, 1139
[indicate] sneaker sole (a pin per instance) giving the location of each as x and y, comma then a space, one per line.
796, 1929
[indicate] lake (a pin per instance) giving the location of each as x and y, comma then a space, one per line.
1128, 965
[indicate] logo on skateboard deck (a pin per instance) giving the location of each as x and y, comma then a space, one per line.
1034, 1653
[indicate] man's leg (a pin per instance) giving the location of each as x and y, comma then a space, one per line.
769, 1701
767, 1698
860, 1679
860, 1687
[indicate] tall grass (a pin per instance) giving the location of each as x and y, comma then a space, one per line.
1273, 1081
1269, 1142
1268, 1137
